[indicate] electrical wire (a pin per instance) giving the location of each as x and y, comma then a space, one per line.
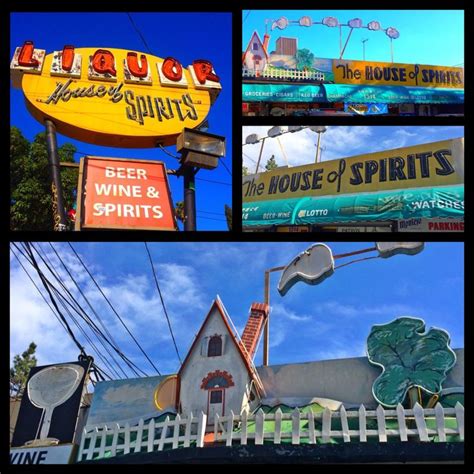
225, 166
114, 310
162, 302
216, 182
139, 32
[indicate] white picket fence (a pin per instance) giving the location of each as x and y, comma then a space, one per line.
106, 440
294, 74
112, 440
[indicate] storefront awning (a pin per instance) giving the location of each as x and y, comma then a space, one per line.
282, 93
358, 94
348, 93
444, 202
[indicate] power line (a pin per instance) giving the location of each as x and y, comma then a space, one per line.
163, 303
212, 181
114, 310
225, 166
139, 32
246, 16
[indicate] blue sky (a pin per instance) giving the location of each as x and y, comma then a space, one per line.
185, 36
331, 320
431, 37
340, 142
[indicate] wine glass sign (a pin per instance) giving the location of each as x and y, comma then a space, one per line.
50, 388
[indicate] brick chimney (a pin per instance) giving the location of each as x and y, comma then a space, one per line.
253, 329
266, 40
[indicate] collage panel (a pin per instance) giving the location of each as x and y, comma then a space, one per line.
249, 341
335, 63
126, 131
315, 348
313, 178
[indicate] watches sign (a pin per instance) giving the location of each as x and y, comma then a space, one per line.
114, 97
124, 194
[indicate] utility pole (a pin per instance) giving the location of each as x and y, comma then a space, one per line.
56, 184
363, 47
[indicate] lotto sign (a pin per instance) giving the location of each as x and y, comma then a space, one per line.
124, 194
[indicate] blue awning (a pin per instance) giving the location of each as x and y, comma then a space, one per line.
349, 93
392, 94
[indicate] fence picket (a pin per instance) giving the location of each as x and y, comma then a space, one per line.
402, 424
187, 431
230, 428
90, 451
345, 425
216, 426
277, 434
362, 424
420, 422
295, 426
326, 435
311, 432
259, 419
138, 440
151, 435
164, 430
440, 424
81, 446
201, 430
381, 424
459, 409
243, 428
126, 447
177, 425
103, 439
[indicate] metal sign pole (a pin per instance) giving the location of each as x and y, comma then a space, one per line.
56, 185
189, 198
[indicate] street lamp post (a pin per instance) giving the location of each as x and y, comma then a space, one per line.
198, 150
318, 130
363, 47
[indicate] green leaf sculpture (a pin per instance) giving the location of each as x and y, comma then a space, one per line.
409, 358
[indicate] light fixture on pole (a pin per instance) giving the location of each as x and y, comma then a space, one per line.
363, 47
198, 150
318, 129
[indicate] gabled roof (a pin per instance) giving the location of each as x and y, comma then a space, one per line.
217, 304
255, 34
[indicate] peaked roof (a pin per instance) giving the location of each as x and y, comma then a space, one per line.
251, 41
217, 304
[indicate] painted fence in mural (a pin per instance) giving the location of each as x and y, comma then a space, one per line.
294, 74
362, 425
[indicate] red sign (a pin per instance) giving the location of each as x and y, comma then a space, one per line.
125, 194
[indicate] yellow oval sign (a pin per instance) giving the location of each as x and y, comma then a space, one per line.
117, 97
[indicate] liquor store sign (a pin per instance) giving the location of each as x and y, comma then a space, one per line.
114, 97
428, 165
124, 194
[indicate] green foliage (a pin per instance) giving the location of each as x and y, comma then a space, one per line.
271, 163
179, 211
245, 171
20, 370
409, 357
228, 216
304, 59
30, 184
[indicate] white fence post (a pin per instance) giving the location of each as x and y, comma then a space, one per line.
295, 426
277, 434
420, 422
259, 419
81, 447
177, 425
151, 435
440, 424
381, 424
311, 432
216, 426
126, 448
164, 430
345, 425
243, 428
460, 420
230, 428
362, 424
103, 439
326, 435
201, 430
138, 440
90, 451
187, 431
402, 424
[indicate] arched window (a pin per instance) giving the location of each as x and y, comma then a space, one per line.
215, 346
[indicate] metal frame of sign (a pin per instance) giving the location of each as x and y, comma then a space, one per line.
82, 180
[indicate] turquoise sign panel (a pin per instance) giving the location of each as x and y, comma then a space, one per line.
392, 94
441, 202
282, 93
